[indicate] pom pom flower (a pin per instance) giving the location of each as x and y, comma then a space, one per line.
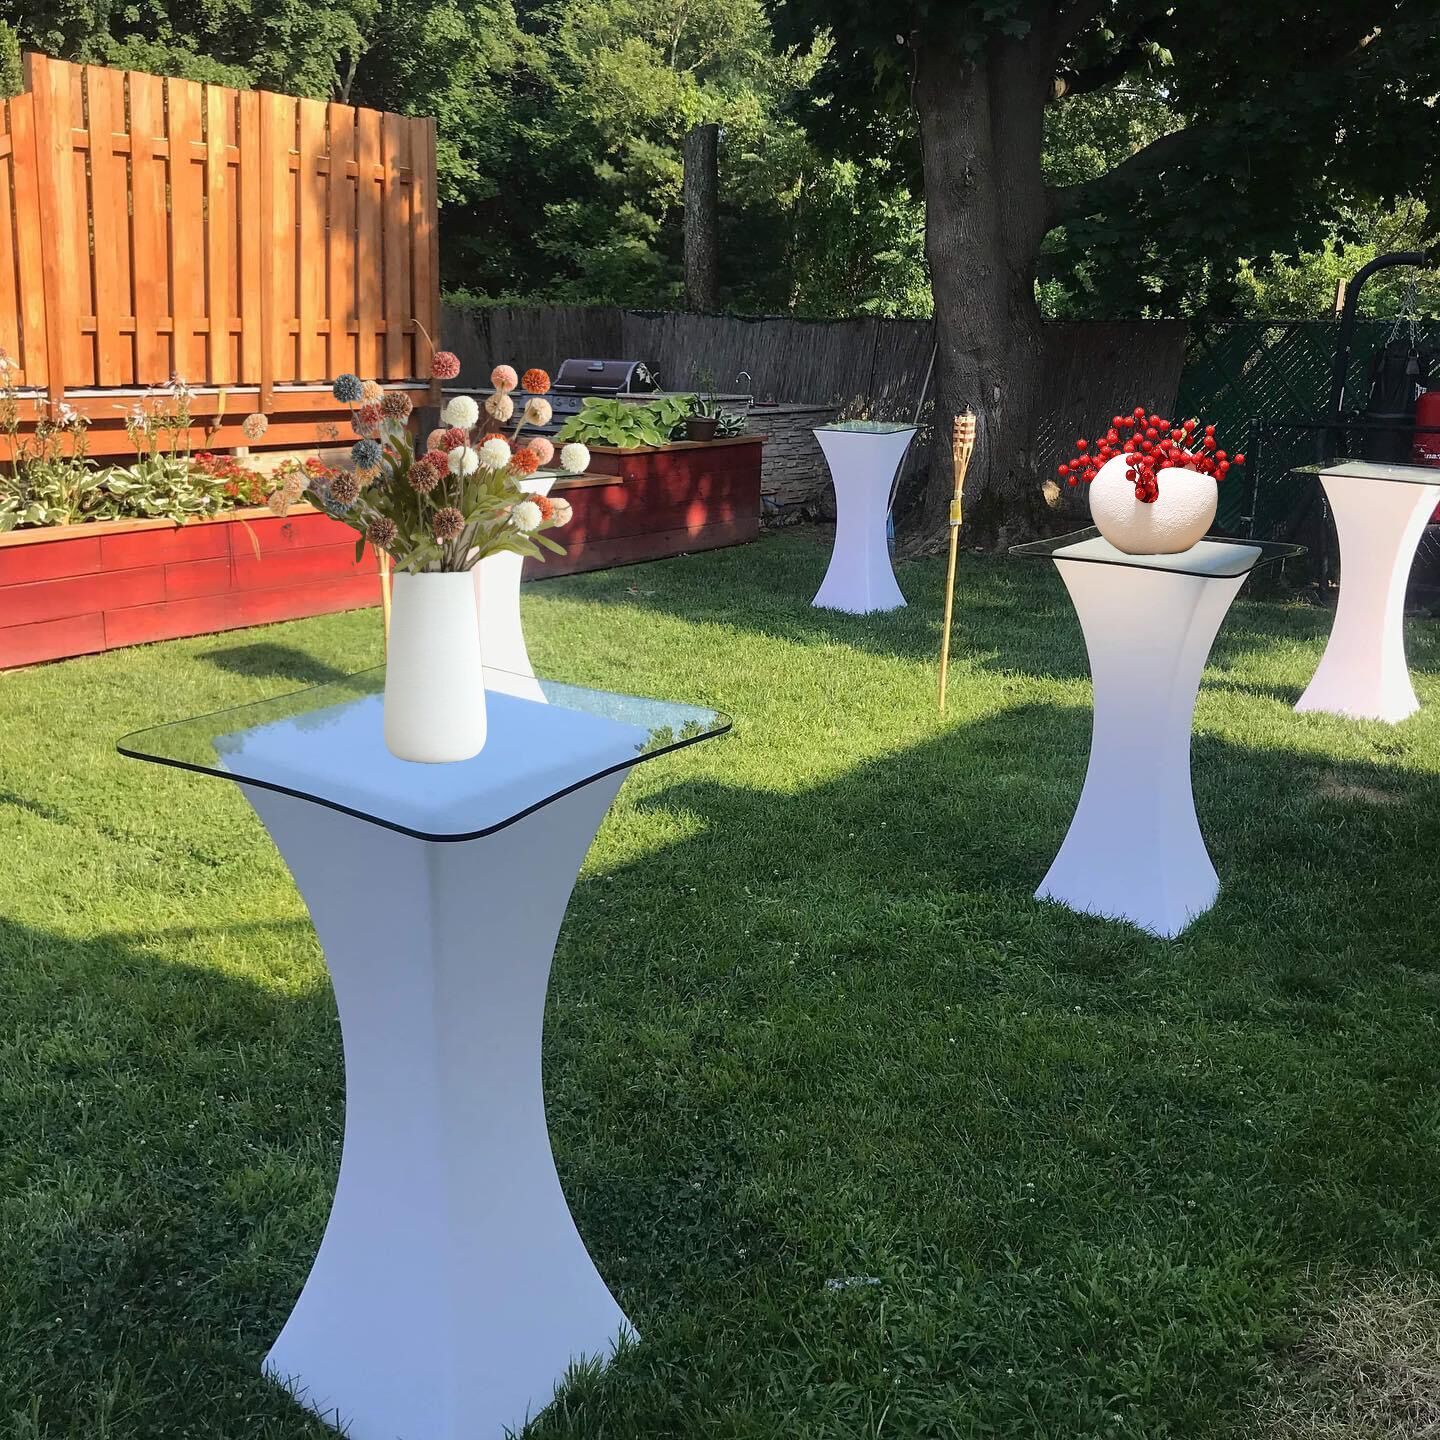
368, 420
366, 454
428, 471
450, 438
503, 377
345, 489
560, 511
535, 382
464, 461
381, 532
447, 524
538, 411
542, 448
347, 389
524, 461
461, 411
396, 405
495, 454
252, 427
500, 406
526, 516
445, 365
574, 458
372, 392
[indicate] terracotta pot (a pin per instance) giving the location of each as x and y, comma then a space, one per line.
701, 427
1183, 513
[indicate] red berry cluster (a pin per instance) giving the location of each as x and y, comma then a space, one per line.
1153, 444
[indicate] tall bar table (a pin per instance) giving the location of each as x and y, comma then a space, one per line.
451, 1290
864, 458
1380, 513
1134, 850
497, 593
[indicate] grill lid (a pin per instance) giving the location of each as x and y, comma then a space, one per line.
601, 377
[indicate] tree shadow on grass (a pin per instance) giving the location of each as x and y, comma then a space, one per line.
265, 659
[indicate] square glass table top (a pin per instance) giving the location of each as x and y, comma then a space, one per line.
1373, 470
868, 427
327, 744
1214, 557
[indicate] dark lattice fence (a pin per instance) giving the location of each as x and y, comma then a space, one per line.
1267, 386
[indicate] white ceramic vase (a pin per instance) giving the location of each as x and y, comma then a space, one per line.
434, 677
1182, 514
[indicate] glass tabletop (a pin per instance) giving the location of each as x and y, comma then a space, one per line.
1215, 557
326, 744
867, 427
1373, 470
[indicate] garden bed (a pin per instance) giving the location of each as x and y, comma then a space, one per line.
653, 501
78, 589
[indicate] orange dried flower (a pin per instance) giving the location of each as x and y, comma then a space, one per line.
535, 382
525, 461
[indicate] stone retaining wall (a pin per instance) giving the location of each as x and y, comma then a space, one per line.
793, 476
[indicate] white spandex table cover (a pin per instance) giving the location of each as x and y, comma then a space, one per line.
1134, 849
1380, 514
497, 592
452, 1290
864, 458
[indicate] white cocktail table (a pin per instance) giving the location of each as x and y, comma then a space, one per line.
864, 457
1134, 849
497, 592
1380, 514
452, 1290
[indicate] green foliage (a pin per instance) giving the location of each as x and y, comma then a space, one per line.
625, 425
64, 493
12, 77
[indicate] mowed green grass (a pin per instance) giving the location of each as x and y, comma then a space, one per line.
807, 1025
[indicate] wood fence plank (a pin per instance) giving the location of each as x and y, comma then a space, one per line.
149, 232
187, 228
396, 226
282, 261
313, 206
53, 153
340, 243
369, 251
10, 321
423, 241
219, 248
110, 206
29, 248
249, 221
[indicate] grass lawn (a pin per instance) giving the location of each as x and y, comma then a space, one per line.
807, 1025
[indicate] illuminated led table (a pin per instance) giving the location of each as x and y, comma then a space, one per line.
451, 1290
1380, 514
1134, 850
497, 592
864, 457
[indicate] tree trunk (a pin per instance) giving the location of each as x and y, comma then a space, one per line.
981, 125
701, 198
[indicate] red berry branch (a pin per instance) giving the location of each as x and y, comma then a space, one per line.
1152, 444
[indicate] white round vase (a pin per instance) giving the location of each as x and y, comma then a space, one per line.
434, 678
1183, 512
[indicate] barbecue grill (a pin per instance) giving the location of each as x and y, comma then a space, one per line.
576, 379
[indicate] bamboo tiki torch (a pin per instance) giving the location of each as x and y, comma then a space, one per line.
962, 446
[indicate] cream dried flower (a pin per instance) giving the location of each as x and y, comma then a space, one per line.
464, 461
495, 454
574, 458
278, 502
526, 516
294, 487
560, 510
538, 411
461, 411
371, 392
500, 407
252, 427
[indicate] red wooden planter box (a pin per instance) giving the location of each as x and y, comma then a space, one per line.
78, 589
661, 502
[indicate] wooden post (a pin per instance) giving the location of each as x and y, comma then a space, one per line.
701, 197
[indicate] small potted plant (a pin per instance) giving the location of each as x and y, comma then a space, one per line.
703, 419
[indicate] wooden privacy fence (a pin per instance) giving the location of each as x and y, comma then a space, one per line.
152, 228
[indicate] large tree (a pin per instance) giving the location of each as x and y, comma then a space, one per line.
1281, 112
